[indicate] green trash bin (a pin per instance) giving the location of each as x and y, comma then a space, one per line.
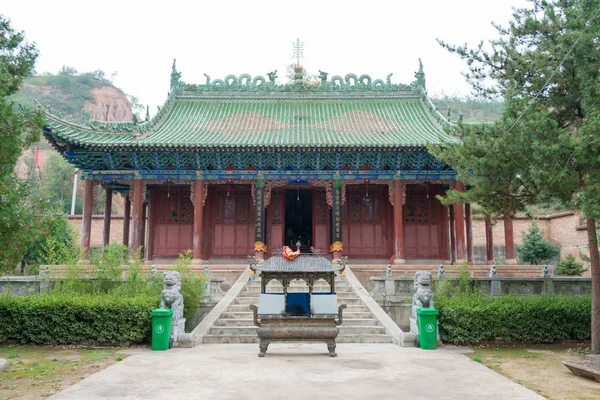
161, 328
427, 322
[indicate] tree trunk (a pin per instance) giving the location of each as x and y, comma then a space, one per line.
595, 271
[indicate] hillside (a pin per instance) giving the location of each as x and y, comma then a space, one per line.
69, 93
473, 110
74, 96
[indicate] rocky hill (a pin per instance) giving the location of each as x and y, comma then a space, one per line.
70, 94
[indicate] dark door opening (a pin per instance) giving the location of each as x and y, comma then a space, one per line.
299, 219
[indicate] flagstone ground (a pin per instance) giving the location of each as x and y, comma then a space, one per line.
297, 371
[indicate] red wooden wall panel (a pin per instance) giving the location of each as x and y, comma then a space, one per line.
425, 219
364, 226
172, 221
233, 221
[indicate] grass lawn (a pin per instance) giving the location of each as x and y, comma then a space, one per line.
36, 372
540, 368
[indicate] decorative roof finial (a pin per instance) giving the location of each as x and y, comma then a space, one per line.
174, 75
420, 83
147, 113
298, 50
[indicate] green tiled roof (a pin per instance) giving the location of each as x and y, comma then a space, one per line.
270, 120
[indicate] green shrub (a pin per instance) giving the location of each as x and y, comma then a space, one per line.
192, 284
570, 267
65, 319
536, 248
540, 319
464, 285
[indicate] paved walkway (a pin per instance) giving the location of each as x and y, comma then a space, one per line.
296, 371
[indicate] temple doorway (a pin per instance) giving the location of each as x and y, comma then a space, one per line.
299, 218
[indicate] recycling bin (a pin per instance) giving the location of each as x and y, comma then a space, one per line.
161, 328
427, 323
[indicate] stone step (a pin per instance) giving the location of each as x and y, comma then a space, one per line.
253, 338
348, 313
349, 308
294, 288
254, 300
233, 330
249, 322
253, 284
225, 339
359, 315
251, 329
360, 330
256, 292
236, 315
364, 339
234, 322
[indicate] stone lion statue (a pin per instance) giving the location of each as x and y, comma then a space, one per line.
423, 297
170, 296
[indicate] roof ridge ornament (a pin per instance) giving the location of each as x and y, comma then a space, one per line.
420, 82
175, 76
348, 83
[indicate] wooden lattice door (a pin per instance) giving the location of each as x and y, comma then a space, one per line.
275, 221
425, 220
321, 221
173, 218
364, 224
234, 222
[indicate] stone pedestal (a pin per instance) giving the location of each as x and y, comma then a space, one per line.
496, 287
390, 287
177, 329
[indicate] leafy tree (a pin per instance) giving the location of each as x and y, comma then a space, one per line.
536, 248
18, 129
58, 181
570, 267
545, 147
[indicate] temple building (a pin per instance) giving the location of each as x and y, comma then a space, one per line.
242, 165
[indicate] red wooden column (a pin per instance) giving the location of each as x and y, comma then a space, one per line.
336, 246
107, 216
198, 241
469, 226
489, 240
398, 222
509, 239
459, 223
144, 216
135, 239
452, 234
86, 223
126, 216
260, 248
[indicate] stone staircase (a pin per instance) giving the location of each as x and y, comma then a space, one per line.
359, 325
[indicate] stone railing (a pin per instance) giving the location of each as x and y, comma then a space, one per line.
22, 285
394, 294
396, 288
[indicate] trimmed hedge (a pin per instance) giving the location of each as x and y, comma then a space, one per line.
541, 319
70, 319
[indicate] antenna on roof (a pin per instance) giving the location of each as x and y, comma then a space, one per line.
298, 50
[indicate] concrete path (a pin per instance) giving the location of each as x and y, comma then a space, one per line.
296, 371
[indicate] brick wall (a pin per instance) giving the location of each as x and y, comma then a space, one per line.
563, 229
116, 228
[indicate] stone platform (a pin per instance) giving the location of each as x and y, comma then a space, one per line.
297, 371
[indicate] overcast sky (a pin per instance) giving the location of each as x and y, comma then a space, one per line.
139, 39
